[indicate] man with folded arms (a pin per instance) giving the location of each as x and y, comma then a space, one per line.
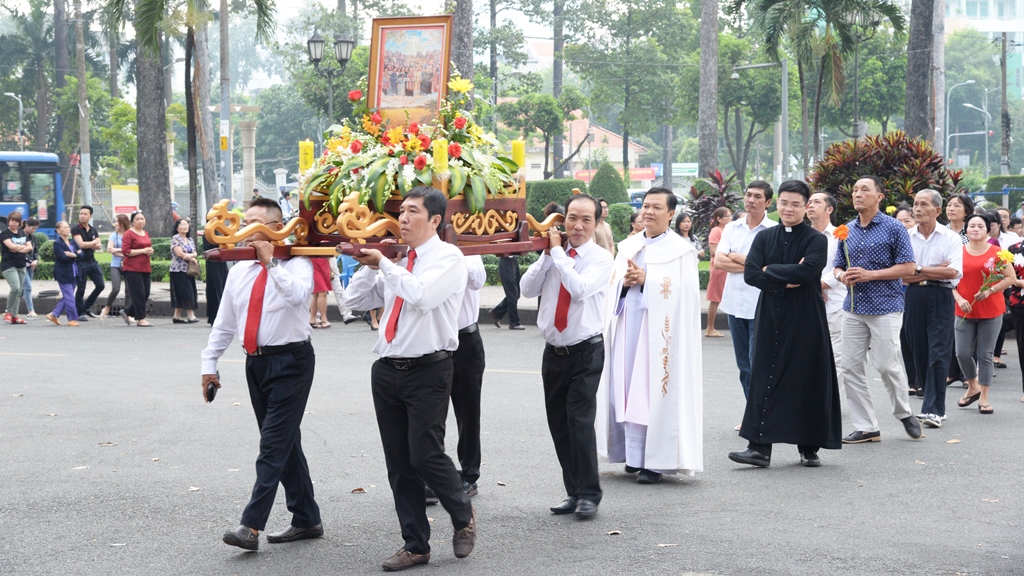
412, 381
266, 303
572, 283
929, 317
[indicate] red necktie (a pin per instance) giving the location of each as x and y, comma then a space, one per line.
252, 319
562, 310
389, 331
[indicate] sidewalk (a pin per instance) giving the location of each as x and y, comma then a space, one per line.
45, 295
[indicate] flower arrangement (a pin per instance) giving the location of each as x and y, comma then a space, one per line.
841, 233
372, 156
991, 274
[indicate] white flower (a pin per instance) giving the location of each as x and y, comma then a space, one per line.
1018, 260
408, 172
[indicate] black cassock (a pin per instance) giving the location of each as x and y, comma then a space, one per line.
794, 392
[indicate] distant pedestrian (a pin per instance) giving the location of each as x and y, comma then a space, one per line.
684, 228
958, 207
116, 274
65, 272
716, 279
88, 239
16, 246
321, 286
184, 295
31, 261
603, 233
137, 248
820, 208
510, 274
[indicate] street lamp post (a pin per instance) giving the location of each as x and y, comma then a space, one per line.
949, 96
988, 120
343, 46
784, 64
21, 115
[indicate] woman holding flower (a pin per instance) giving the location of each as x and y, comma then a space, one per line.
1016, 293
980, 308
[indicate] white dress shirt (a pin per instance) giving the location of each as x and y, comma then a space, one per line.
432, 293
836, 291
285, 317
586, 277
476, 276
942, 245
1007, 239
739, 298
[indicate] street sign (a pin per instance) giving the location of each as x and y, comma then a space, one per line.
686, 169
305, 155
225, 131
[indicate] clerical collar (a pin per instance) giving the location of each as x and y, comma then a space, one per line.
790, 228
649, 241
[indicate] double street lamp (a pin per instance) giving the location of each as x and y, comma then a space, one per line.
988, 120
21, 115
343, 46
949, 100
784, 64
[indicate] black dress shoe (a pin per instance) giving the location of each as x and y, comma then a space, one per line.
470, 488
494, 318
858, 437
91, 314
912, 426
291, 534
242, 537
83, 318
568, 506
648, 477
810, 459
431, 496
177, 321
752, 457
631, 470
517, 327
585, 509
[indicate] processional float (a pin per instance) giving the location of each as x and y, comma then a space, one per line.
409, 127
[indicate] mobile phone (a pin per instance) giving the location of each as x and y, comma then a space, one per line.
211, 389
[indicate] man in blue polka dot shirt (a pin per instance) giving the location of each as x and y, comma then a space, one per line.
870, 262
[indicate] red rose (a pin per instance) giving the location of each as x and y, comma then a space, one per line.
424, 141
414, 128
460, 123
420, 163
356, 146
385, 140
376, 119
454, 150
403, 159
355, 95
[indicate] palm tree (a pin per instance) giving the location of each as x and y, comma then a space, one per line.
820, 33
29, 49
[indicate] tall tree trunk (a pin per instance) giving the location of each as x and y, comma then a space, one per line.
151, 119
42, 111
493, 47
207, 140
558, 33
666, 157
917, 113
803, 118
62, 66
707, 113
817, 110
625, 137
168, 70
462, 41
939, 70
190, 132
112, 42
341, 7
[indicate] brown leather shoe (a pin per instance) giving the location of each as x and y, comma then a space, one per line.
464, 540
404, 559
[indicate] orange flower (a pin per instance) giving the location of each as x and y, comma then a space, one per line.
841, 232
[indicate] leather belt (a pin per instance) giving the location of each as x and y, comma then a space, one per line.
277, 349
566, 350
935, 283
409, 363
469, 329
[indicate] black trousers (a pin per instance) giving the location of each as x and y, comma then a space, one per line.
88, 271
1017, 315
929, 321
508, 272
570, 397
279, 388
908, 357
467, 380
766, 449
411, 407
138, 285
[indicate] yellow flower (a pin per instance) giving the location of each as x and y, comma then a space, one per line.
1006, 256
369, 127
413, 145
460, 85
890, 210
395, 135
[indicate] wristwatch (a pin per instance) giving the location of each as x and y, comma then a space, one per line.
273, 263
917, 272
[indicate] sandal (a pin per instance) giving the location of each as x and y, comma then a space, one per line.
16, 320
325, 324
315, 325
715, 334
985, 408
968, 400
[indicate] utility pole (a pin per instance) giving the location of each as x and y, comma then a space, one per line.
83, 106
1004, 154
226, 170
494, 62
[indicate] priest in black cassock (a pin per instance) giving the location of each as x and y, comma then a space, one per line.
794, 395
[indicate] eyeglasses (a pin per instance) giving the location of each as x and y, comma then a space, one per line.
246, 223
790, 204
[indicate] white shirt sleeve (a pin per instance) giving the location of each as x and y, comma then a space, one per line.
828, 274
476, 273
224, 329
294, 288
532, 281
365, 290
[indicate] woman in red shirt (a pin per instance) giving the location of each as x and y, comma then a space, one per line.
136, 248
980, 310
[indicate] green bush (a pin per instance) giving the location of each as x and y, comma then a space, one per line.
540, 192
44, 270
161, 249
618, 219
703, 275
997, 183
608, 184
160, 271
46, 251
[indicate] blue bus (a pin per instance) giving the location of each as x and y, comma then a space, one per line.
31, 184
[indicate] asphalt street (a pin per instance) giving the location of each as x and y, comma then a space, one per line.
111, 463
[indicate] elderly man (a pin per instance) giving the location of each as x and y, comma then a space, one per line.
820, 208
929, 317
871, 261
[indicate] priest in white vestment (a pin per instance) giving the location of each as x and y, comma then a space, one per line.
650, 401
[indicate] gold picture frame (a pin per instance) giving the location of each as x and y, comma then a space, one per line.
409, 66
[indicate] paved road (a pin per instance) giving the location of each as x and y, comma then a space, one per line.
111, 463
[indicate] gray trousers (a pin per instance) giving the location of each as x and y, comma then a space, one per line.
977, 338
882, 334
15, 278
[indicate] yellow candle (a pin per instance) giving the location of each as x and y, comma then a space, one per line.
519, 153
440, 155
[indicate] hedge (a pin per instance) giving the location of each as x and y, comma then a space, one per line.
161, 249
608, 184
161, 268
997, 183
493, 280
618, 219
541, 192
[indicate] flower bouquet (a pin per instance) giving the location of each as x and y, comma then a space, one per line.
375, 158
991, 274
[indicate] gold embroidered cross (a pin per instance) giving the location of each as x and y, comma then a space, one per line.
666, 285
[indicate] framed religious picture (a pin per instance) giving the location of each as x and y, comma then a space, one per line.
409, 64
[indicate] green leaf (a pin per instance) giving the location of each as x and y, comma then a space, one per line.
458, 181
477, 195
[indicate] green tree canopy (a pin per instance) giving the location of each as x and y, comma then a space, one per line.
608, 184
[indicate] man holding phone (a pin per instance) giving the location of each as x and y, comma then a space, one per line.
266, 303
